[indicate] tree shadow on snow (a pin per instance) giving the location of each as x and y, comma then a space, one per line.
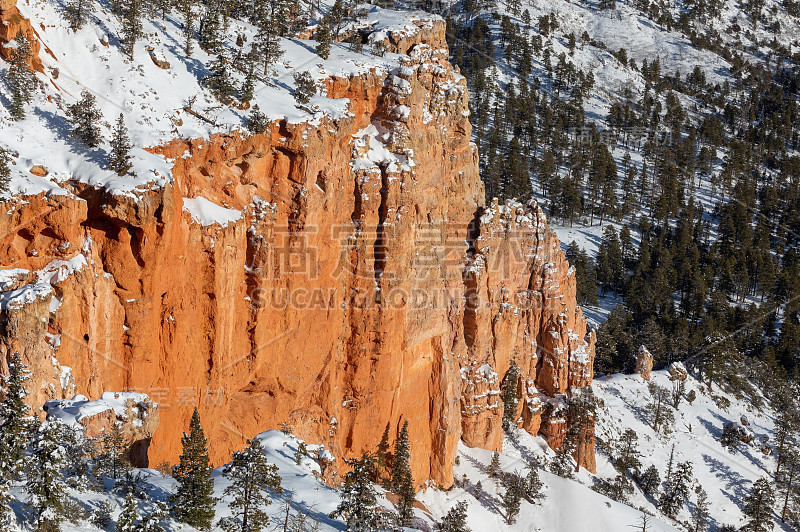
63, 129
489, 502
734, 483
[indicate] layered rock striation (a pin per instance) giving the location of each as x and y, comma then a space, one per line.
338, 276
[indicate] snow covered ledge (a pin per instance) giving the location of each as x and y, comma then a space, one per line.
136, 414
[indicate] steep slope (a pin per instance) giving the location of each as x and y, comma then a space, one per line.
337, 273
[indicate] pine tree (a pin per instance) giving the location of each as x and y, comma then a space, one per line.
305, 87
628, 453
358, 504
266, 45
76, 13
5, 169
455, 520
21, 79
209, 35
649, 481
700, 519
111, 453
119, 160
581, 415
257, 122
758, 507
792, 461
78, 451
382, 454
402, 481
8, 521
784, 434
494, 466
300, 453
126, 522
193, 503
323, 37
45, 482
512, 497
251, 478
132, 29
660, 411
510, 391
84, 116
219, 80
186, 10
16, 420
533, 485
676, 489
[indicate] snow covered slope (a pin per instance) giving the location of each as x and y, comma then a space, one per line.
154, 100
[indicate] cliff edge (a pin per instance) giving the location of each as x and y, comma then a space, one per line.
339, 274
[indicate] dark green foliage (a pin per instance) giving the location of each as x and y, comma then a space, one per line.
45, 483
758, 506
119, 160
382, 454
77, 13
661, 415
193, 503
510, 396
402, 481
323, 37
132, 29
585, 277
512, 497
300, 453
15, 414
252, 478
84, 116
126, 522
101, 517
494, 466
627, 452
185, 8
533, 485
266, 48
304, 87
5, 169
358, 505
21, 79
649, 481
209, 34
581, 416
455, 520
618, 489
219, 81
700, 517
676, 489
257, 122
111, 454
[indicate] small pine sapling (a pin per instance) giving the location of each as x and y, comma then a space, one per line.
305, 87
119, 160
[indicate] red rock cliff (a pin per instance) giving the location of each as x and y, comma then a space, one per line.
359, 282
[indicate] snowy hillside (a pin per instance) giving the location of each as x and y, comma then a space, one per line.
567, 504
156, 102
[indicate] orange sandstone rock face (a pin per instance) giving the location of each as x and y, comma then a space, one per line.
361, 283
11, 24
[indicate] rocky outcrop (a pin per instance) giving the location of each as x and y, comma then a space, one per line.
135, 414
644, 362
11, 24
353, 279
677, 371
